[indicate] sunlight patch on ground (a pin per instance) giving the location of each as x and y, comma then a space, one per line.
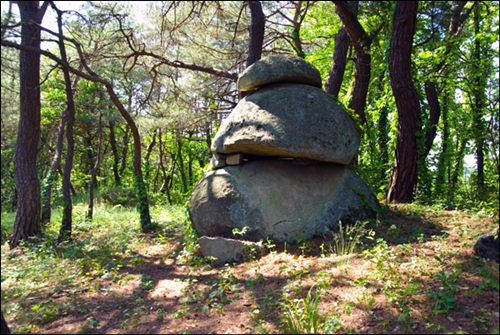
168, 288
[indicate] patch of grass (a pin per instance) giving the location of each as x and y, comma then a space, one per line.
349, 237
99, 249
301, 316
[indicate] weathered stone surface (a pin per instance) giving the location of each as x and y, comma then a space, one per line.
227, 250
235, 159
217, 161
278, 199
487, 247
278, 68
289, 120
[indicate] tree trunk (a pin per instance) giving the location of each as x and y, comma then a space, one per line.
443, 164
361, 83
458, 167
404, 172
27, 222
383, 135
361, 41
89, 157
435, 112
140, 188
147, 159
92, 186
456, 22
5, 327
256, 35
479, 103
339, 61
166, 177
256, 29
114, 150
180, 158
125, 149
49, 179
69, 115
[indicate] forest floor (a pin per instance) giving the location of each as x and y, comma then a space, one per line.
414, 271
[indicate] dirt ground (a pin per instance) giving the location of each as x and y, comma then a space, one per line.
180, 297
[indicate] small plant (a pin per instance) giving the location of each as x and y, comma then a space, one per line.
444, 296
332, 325
348, 238
241, 231
301, 316
481, 319
366, 300
147, 283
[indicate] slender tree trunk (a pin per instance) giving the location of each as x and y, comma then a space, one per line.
435, 112
27, 222
361, 83
456, 22
383, 135
458, 167
69, 116
148, 155
339, 62
298, 17
92, 186
166, 177
256, 35
478, 119
444, 156
49, 179
89, 157
256, 29
404, 172
114, 150
362, 42
140, 187
125, 149
181, 163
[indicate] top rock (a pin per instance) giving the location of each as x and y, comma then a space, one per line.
278, 68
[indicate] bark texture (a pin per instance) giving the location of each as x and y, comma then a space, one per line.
404, 172
27, 221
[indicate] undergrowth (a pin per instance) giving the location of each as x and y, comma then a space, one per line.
410, 270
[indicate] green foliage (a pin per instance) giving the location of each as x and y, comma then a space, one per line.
346, 240
8, 187
142, 203
301, 316
115, 196
444, 296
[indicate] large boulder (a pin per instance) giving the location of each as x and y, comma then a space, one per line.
487, 247
278, 68
289, 120
278, 199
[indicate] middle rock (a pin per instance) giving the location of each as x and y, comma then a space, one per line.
289, 120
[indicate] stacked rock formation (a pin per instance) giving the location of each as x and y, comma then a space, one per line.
280, 161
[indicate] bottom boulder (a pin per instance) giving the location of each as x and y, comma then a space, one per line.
280, 200
223, 250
